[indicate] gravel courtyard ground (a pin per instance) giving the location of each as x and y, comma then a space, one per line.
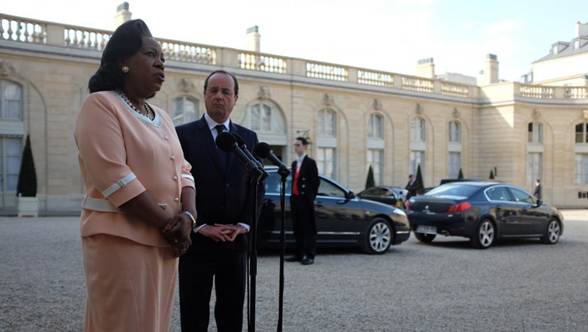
446, 286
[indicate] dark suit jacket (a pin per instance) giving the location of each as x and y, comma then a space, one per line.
308, 180
221, 197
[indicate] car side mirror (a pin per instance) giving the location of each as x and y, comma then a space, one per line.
350, 195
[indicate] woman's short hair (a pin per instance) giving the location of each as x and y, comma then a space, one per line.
126, 40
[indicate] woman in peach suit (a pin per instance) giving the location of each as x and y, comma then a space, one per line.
138, 210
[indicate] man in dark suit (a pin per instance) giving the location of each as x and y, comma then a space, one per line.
538, 192
224, 213
410, 187
305, 184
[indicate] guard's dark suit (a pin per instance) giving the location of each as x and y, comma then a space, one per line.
303, 206
223, 196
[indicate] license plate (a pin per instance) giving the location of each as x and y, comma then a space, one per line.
427, 229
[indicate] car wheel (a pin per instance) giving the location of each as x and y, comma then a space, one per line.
425, 238
552, 232
378, 236
485, 234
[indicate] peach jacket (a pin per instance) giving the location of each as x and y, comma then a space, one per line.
122, 154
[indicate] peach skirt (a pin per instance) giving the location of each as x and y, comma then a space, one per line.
130, 285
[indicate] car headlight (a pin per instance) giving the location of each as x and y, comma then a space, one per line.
400, 212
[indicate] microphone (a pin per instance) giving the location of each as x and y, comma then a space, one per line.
241, 143
263, 150
226, 142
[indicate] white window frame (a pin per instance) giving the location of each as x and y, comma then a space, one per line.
376, 126
375, 158
535, 133
181, 116
453, 164
327, 161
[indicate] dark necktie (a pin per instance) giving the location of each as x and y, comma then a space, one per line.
222, 156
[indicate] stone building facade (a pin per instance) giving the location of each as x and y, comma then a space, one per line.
354, 117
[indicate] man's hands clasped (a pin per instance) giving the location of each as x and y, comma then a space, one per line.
222, 232
178, 229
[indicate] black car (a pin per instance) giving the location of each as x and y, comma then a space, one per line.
483, 212
390, 195
342, 219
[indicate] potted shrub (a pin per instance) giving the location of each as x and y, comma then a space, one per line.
26, 191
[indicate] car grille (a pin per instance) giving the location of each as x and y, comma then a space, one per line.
431, 207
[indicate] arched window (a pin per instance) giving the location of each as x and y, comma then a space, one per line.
375, 148
376, 126
418, 146
327, 143
534, 152
454, 132
11, 143
265, 117
267, 120
454, 158
327, 123
186, 109
535, 130
11, 107
418, 130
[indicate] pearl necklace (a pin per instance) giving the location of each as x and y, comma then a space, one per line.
149, 112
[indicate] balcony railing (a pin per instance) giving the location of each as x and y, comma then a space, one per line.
25, 30
537, 91
376, 78
262, 62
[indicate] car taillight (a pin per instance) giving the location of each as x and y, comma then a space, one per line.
459, 207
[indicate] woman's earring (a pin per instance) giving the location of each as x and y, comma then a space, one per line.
125, 69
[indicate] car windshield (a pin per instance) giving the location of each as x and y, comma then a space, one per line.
272, 184
454, 191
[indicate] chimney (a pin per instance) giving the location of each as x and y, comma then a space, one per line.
122, 14
582, 29
253, 39
425, 68
489, 74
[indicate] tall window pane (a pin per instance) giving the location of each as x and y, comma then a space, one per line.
376, 126
454, 132
417, 130
375, 158
186, 110
417, 158
534, 166
581, 133
582, 168
11, 106
327, 123
535, 132
326, 162
454, 164
11, 150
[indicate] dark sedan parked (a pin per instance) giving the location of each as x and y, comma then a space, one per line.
342, 219
483, 212
385, 194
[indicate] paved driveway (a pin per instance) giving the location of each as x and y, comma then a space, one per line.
447, 286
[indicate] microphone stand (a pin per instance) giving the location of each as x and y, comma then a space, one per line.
258, 176
284, 172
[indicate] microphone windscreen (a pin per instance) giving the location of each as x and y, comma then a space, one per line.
240, 141
225, 141
262, 150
